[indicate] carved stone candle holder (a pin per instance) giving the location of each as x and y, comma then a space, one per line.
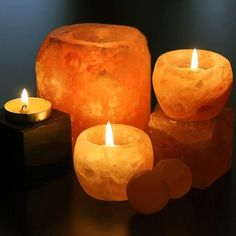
96, 73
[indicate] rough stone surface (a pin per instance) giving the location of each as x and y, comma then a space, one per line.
193, 95
104, 171
205, 146
96, 73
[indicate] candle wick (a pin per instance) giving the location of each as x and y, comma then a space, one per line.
23, 108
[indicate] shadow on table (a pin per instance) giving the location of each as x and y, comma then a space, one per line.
36, 202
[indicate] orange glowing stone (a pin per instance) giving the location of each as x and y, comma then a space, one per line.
147, 193
96, 73
104, 164
176, 174
205, 146
192, 85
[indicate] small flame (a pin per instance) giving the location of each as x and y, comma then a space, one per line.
194, 63
109, 135
24, 98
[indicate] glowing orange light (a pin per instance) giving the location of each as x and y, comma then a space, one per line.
109, 135
194, 63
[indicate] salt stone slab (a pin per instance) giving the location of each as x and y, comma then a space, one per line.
96, 73
176, 174
206, 146
147, 193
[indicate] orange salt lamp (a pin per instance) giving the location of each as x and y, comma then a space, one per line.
176, 174
205, 146
96, 73
192, 87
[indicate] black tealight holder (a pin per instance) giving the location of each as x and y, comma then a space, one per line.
34, 152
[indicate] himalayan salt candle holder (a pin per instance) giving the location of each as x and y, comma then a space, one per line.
205, 146
192, 92
104, 170
96, 73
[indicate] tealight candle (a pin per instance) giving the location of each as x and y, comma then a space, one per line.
27, 109
192, 92
104, 169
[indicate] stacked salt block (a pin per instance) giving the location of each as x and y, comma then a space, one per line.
96, 73
191, 121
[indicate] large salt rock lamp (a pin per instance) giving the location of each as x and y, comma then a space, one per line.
96, 73
192, 86
205, 146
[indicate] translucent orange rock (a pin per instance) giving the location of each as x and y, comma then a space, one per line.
192, 94
104, 171
176, 174
147, 193
205, 146
96, 73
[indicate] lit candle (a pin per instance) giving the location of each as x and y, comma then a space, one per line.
24, 101
27, 109
194, 61
109, 135
104, 168
192, 92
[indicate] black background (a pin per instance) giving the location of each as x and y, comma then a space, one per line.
60, 207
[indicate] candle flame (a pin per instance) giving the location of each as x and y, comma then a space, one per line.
109, 135
24, 97
194, 63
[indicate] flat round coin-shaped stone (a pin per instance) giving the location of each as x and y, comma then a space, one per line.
176, 174
147, 193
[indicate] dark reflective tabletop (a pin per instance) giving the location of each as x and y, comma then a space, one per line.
61, 207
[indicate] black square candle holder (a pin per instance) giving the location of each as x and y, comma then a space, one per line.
34, 152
